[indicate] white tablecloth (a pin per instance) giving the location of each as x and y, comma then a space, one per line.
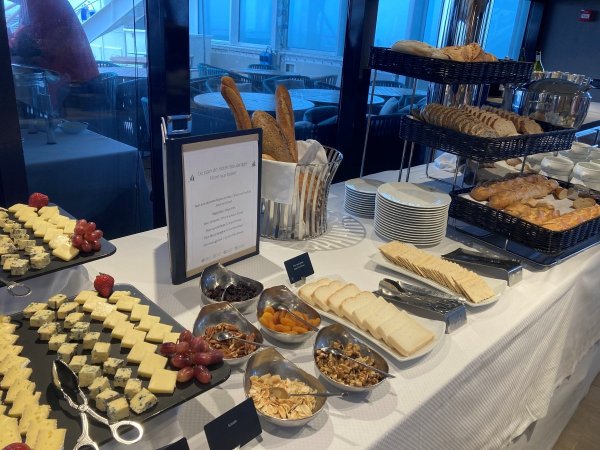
482, 387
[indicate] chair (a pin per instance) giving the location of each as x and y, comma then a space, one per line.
214, 85
328, 79
324, 119
106, 64
390, 83
289, 81
305, 130
130, 124
322, 85
203, 123
261, 66
320, 113
206, 70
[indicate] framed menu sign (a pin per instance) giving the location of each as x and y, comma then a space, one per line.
212, 192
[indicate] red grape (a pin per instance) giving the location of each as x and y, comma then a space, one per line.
207, 358
82, 222
17, 446
202, 374
86, 247
180, 361
198, 344
80, 229
185, 336
77, 240
168, 348
185, 374
96, 245
182, 347
97, 234
91, 226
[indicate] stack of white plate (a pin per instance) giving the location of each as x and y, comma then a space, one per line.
360, 196
411, 213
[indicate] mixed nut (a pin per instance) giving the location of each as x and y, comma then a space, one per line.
345, 371
231, 348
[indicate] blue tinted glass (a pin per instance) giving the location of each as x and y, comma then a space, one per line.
255, 21
215, 21
314, 24
392, 22
506, 29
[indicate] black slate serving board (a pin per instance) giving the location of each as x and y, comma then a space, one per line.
41, 362
56, 264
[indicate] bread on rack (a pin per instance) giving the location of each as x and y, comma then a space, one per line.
413, 47
538, 214
524, 125
456, 119
572, 219
464, 53
486, 190
527, 191
232, 96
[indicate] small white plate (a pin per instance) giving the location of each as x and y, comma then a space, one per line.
363, 185
409, 194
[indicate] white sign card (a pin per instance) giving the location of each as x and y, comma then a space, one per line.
221, 185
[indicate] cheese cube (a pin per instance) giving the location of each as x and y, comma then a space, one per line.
116, 295
87, 374
111, 365
50, 439
34, 429
10, 431
102, 310
91, 303
157, 332
104, 397
122, 376
33, 415
39, 318
56, 341
138, 311
23, 401
79, 330
83, 296
126, 303
171, 337
20, 385
132, 337
143, 401
55, 301
66, 308
139, 351
32, 308
162, 381
90, 339
65, 252
150, 364
121, 329
113, 319
147, 322
100, 352
19, 267
77, 362
46, 331
133, 386
14, 374
117, 409
72, 319
66, 351
98, 385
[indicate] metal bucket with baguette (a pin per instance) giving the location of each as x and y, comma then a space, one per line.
302, 214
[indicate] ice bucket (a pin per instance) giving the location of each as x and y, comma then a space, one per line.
305, 216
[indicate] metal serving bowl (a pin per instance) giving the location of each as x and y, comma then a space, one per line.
281, 296
271, 361
337, 332
216, 313
218, 276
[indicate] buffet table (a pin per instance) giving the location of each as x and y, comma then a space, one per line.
513, 375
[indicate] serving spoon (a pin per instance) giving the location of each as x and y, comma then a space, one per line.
282, 394
226, 335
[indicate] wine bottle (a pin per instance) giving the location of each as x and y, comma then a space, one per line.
538, 66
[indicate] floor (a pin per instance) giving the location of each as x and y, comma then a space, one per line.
583, 430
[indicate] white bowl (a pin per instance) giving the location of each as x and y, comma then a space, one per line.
72, 127
587, 171
579, 148
557, 164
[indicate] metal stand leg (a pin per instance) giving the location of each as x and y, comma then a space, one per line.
364, 155
402, 160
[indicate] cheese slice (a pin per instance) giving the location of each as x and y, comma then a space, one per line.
138, 312
12, 361
113, 319
31, 415
101, 311
50, 439
14, 374
139, 351
132, 337
10, 431
23, 401
126, 303
20, 385
306, 291
157, 332
322, 293
171, 337
84, 296
150, 364
91, 302
65, 252
147, 322
335, 301
121, 329
34, 429
162, 381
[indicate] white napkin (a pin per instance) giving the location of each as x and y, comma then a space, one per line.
277, 183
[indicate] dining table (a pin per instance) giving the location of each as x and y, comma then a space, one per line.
393, 91
510, 377
254, 101
324, 96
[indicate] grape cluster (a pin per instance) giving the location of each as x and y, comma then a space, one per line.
191, 354
87, 236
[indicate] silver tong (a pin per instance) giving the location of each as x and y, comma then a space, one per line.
494, 266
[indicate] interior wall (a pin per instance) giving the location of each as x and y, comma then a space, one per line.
570, 45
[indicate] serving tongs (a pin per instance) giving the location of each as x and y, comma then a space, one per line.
425, 302
67, 383
508, 269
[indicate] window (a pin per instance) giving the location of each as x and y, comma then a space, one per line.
509, 18
214, 18
315, 25
255, 21
392, 22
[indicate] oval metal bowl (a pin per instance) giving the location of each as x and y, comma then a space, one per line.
271, 361
281, 295
337, 332
216, 313
218, 276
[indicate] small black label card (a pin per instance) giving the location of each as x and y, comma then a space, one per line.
299, 267
236, 427
181, 444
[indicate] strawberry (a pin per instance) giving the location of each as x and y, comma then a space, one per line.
38, 200
104, 285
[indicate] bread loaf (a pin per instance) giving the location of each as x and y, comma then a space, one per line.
485, 191
572, 219
285, 119
531, 190
274, 142
232, 96
413, 47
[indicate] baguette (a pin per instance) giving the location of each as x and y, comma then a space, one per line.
413, 47
537, 190
232, 96
573, 218
485, 191
274, 142
285, 118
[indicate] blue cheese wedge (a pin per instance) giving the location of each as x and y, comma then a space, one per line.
79, 330
111, 365
117, 409
116, 295
100, 352
122, 376
113, 319
88, 373
34, 307
77, 362
157, 332
66, 351
126, 303
56, 341
143, 401
67, 308
138, 311
139, 351
72, 319
104, 397
151, 363
132, 387
8, 256
162, 381
39, 318
98, 385
90, 339
56, 300
46, 331
39, 260
121, 329
132, 337
147, 322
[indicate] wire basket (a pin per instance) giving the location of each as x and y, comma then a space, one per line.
449, 72
306, 216
486, 149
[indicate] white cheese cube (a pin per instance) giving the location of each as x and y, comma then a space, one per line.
39, 318
67, 308
66, 351
90, 339
55, 301
77, 362
32, 308
46, 331
79, 330
72, 319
